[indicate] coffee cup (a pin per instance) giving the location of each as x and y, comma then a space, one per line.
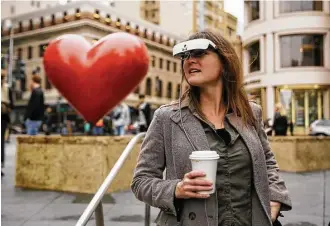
205, 161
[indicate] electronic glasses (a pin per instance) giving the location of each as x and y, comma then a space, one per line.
195, 48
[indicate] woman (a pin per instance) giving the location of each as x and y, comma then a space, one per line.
6, 107
215, 114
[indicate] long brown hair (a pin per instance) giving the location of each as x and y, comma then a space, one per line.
233, 94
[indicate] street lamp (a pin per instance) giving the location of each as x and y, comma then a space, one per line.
9, 25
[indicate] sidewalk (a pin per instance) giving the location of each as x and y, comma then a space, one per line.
46, 208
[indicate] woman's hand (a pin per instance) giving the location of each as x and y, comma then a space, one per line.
275, 209
191, 183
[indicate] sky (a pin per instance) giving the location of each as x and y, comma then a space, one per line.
236, 7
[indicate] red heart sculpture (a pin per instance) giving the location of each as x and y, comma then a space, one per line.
94, 79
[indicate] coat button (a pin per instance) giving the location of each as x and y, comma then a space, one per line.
192, 216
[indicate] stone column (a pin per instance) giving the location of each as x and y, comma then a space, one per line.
269, 54
270, 101
306, 103
326, 104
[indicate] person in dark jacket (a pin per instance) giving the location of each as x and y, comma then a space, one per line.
144, 114
6, 107
280, 125
35, 109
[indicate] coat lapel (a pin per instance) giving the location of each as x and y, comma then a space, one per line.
252, 141
248, 134
196, 134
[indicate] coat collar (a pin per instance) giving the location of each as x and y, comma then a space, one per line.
196, 132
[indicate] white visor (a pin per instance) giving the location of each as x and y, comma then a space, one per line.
183, 47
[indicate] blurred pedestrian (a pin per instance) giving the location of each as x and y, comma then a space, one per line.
87, 128
122, 119
35, 108
280, 125
48, 121
6, 107
144, 114
98, 128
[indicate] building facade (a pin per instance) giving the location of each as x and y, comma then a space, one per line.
92, 20
286, 58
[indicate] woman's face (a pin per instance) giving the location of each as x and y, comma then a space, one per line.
203, 71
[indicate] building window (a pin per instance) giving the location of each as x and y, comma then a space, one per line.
301, 50
168, 65
42, 49
19, 53
38, 4
12, 9
230, 31
20, 26
32, 3
112, 3
298, 6
31, 24
53, 20
153, 61
161, 63
159, 87
169, 90
42, 24
254, 56
178, 91
174, 67
254, 10
30, 52
148, 87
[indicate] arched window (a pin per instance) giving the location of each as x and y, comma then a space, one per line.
148, 86
178, 91
159, 87
169, 90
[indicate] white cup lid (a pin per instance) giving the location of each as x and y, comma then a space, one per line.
204, 155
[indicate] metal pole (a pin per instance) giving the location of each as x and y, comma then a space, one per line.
11, 55
147, 215
99, 215
201, 15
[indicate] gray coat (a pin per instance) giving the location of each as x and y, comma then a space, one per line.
166, 147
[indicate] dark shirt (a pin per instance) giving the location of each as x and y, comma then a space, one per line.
234, 175
280, 125
35, 108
